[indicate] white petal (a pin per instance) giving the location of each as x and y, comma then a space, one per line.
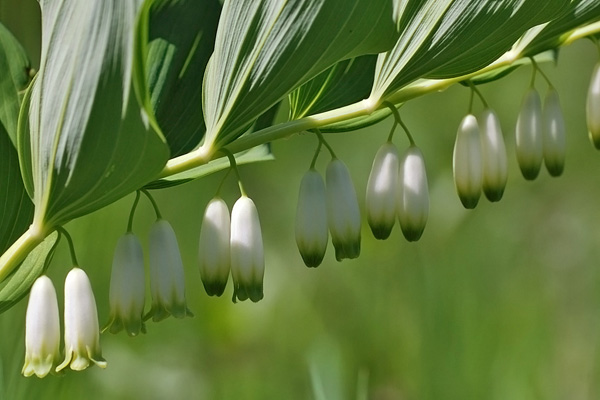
413, 194
82, 334
42, 329
343, 213
247, 254
554, 142
214, 253
593, 107
529, 140
311, 219
495, 165
381, 191
167, 281
127, 286
467, 162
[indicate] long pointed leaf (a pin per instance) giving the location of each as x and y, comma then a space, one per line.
87, 141
266, 48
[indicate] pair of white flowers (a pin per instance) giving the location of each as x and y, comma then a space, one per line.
127, 295
398, 187
324, 208
232, 243
42, 330
540, 135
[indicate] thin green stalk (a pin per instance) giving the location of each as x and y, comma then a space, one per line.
222, 182
392, 131
64, 232
479, 94
235, 169
317, 151
154, 205
536, 67
132, 212
324, 142
399, 121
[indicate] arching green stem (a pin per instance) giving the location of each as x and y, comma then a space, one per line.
324, 142
317, 152
478, 92
537, 68
235, 169
64, 232
399, 121
132, 212
154, 205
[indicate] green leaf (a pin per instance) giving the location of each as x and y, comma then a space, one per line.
264, 49
255, 154
450, 38
176, 39
343, 83
16, 208
17, 284
86, 139
580, 13
15, 77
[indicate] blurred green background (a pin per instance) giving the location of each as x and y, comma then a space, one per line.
502, 302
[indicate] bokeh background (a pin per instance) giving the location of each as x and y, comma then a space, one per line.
502, 302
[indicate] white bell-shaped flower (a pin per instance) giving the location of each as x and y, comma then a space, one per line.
555, 141
343, 213
593, 107
311, 219
127, 295
42, 329
467, 162
413, 194
247, 253
82, 334
167, 281
381, 191
529, 136
495, 164
213, 252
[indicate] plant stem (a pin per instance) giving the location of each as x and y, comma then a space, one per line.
154, 205
324, 142
399, 121
64, 232
234, 167
478, 92
17, 252
132, 212
317, 151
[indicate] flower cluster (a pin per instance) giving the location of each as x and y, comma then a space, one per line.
397, 187
328, 207
127, 294
42, 330
232, 243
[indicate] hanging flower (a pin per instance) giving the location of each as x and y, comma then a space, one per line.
213, 251
381, 191
343, 214
495, 165
593, 107
82, 335
311, 219
554, 142
413, 194
167, 282
247, 253
529, 146
42, 329
127, 287
467, 162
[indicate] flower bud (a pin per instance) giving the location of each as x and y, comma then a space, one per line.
593, 107
495, 165
343, 214
213, 251
413, 194
247, 253
467, 162
311, 219
42, 329
127, 294
82, 335
554, 142
381, 191
167, 282
529, 146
